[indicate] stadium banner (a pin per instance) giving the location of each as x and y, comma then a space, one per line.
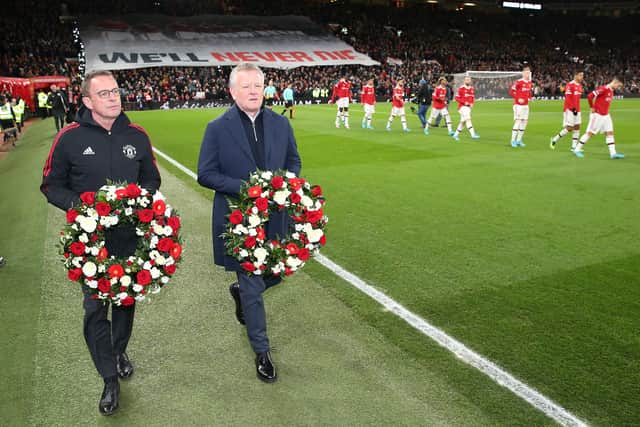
141, 41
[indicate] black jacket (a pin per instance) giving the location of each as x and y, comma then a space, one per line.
424, 94
58, 102
84, 155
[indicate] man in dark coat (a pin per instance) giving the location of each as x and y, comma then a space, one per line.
245, 138
59, 106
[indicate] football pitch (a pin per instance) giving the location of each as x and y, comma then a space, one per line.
529, 256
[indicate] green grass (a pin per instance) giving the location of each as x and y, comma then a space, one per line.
194, 365
529, 255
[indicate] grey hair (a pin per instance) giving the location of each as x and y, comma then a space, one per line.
244, 66
86, 83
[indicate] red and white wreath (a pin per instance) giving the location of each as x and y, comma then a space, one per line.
123, 281
245, 235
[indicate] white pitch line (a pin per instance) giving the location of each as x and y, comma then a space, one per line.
468, 356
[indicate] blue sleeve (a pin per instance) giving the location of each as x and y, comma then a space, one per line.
209, 168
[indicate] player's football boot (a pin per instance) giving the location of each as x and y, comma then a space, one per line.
406, 130
514, 144
388, 129
426, 131
578, 153
370, 127
552, 144
364, 124
617, 156
521, 144
451, 133
475, 136
456, 137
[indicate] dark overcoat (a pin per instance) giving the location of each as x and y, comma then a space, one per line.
226, 161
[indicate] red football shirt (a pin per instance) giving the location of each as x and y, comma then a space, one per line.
439, 97
398, 97
572, 95
465, 96
368, 95
600, 100
521, 91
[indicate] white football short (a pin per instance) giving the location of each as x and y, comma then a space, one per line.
435, 112
571, 120
369, 109
599, 123
520, 112
343, 102
465, 113
397, 111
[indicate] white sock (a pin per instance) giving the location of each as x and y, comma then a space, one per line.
403, 120
583, 140
576, 137
470, 128
560, 134
514, 132
611, 144
389, 121
448, 120
346, 119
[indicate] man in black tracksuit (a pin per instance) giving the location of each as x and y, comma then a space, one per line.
59, 106
102, 144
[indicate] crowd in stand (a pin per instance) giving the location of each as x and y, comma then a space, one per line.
429, 43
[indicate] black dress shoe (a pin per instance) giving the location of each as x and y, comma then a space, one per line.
264, 367
123, 366
110, 397
234, 289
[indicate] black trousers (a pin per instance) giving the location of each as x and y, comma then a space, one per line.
106, 338
251, 289
59, 119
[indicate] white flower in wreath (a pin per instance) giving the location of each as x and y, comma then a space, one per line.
293, 262
154, 254
315, 235
113, 280
93, 284
160, 260
154, 241
280, 197
306, 201
89, 269
128, 211
240, 229
122, 295
143, 201
102, 268
167, 211
290, 174
158, 196
87, 224
260, 254
125, 281
158, 229
299, 227
155, 289
84, 238
139, 232
164, 280
253, 232
94, 250
168, 231
131, 202
147, 265
243, 253
92, 213
307, 185
267, 175
254, 210
137, 287
77, 262
139, 297
155, 273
